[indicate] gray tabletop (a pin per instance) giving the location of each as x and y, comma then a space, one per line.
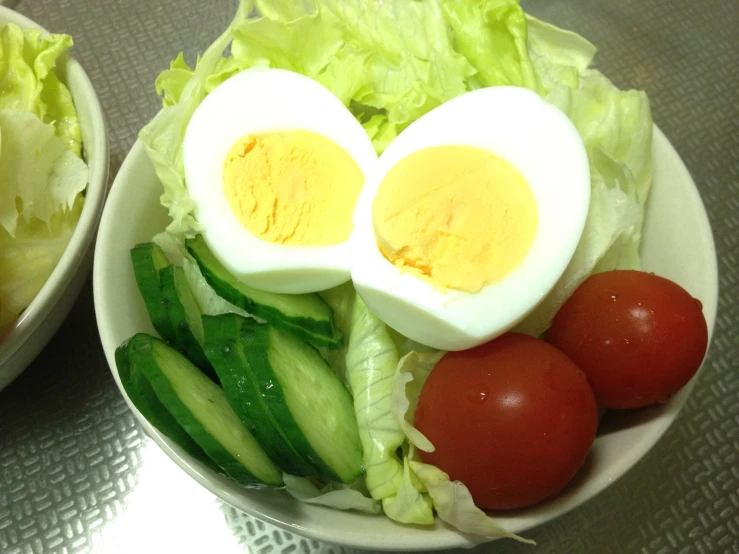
77, 473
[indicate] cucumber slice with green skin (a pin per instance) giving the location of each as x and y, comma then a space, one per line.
185, 316
292, 400
307, 316
201, 408
225, 349
148, 258
142, 395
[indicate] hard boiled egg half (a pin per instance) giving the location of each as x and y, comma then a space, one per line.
274, 163
470, 217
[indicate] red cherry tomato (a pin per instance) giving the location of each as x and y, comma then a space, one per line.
513, 419
638, 337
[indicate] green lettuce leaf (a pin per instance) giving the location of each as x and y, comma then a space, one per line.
371, 361
294, 39
163, 136
172, 247
558, 56
39, 175
410, 376
28, 258
612, 213
171, 83
380, 130
492, 35
333, 495
60, 112
394, 56
616, 128
409, 504
285, 10
29, 83
454, 504
406, 53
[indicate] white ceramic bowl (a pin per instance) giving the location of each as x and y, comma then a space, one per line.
677, 244
34, 328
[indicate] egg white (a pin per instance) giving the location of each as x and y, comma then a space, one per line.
541, 142
256, 101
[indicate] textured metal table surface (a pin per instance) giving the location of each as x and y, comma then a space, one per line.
77, 473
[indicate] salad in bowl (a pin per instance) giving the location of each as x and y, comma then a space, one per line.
396, 270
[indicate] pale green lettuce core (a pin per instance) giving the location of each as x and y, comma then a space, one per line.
41, 173
410, 376
454, 504
371, 361
391, 62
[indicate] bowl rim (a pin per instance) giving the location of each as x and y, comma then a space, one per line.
83, 92
435, 541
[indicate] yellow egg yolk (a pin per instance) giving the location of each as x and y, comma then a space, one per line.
459, 217
292, 187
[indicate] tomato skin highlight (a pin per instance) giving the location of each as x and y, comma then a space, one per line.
639, 337
512, 419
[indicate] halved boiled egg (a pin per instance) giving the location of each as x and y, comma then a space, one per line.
274, 163
470, 217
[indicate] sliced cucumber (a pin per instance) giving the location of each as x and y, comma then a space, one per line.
225, 349
307, 316
148, 258
145, 399
185, 316
288, 395
201, 408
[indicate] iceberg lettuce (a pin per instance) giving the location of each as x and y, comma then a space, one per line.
454, 504
334, 495
39, 175
410, 376
28, 258
42, 175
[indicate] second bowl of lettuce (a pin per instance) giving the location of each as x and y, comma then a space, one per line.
53, 177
